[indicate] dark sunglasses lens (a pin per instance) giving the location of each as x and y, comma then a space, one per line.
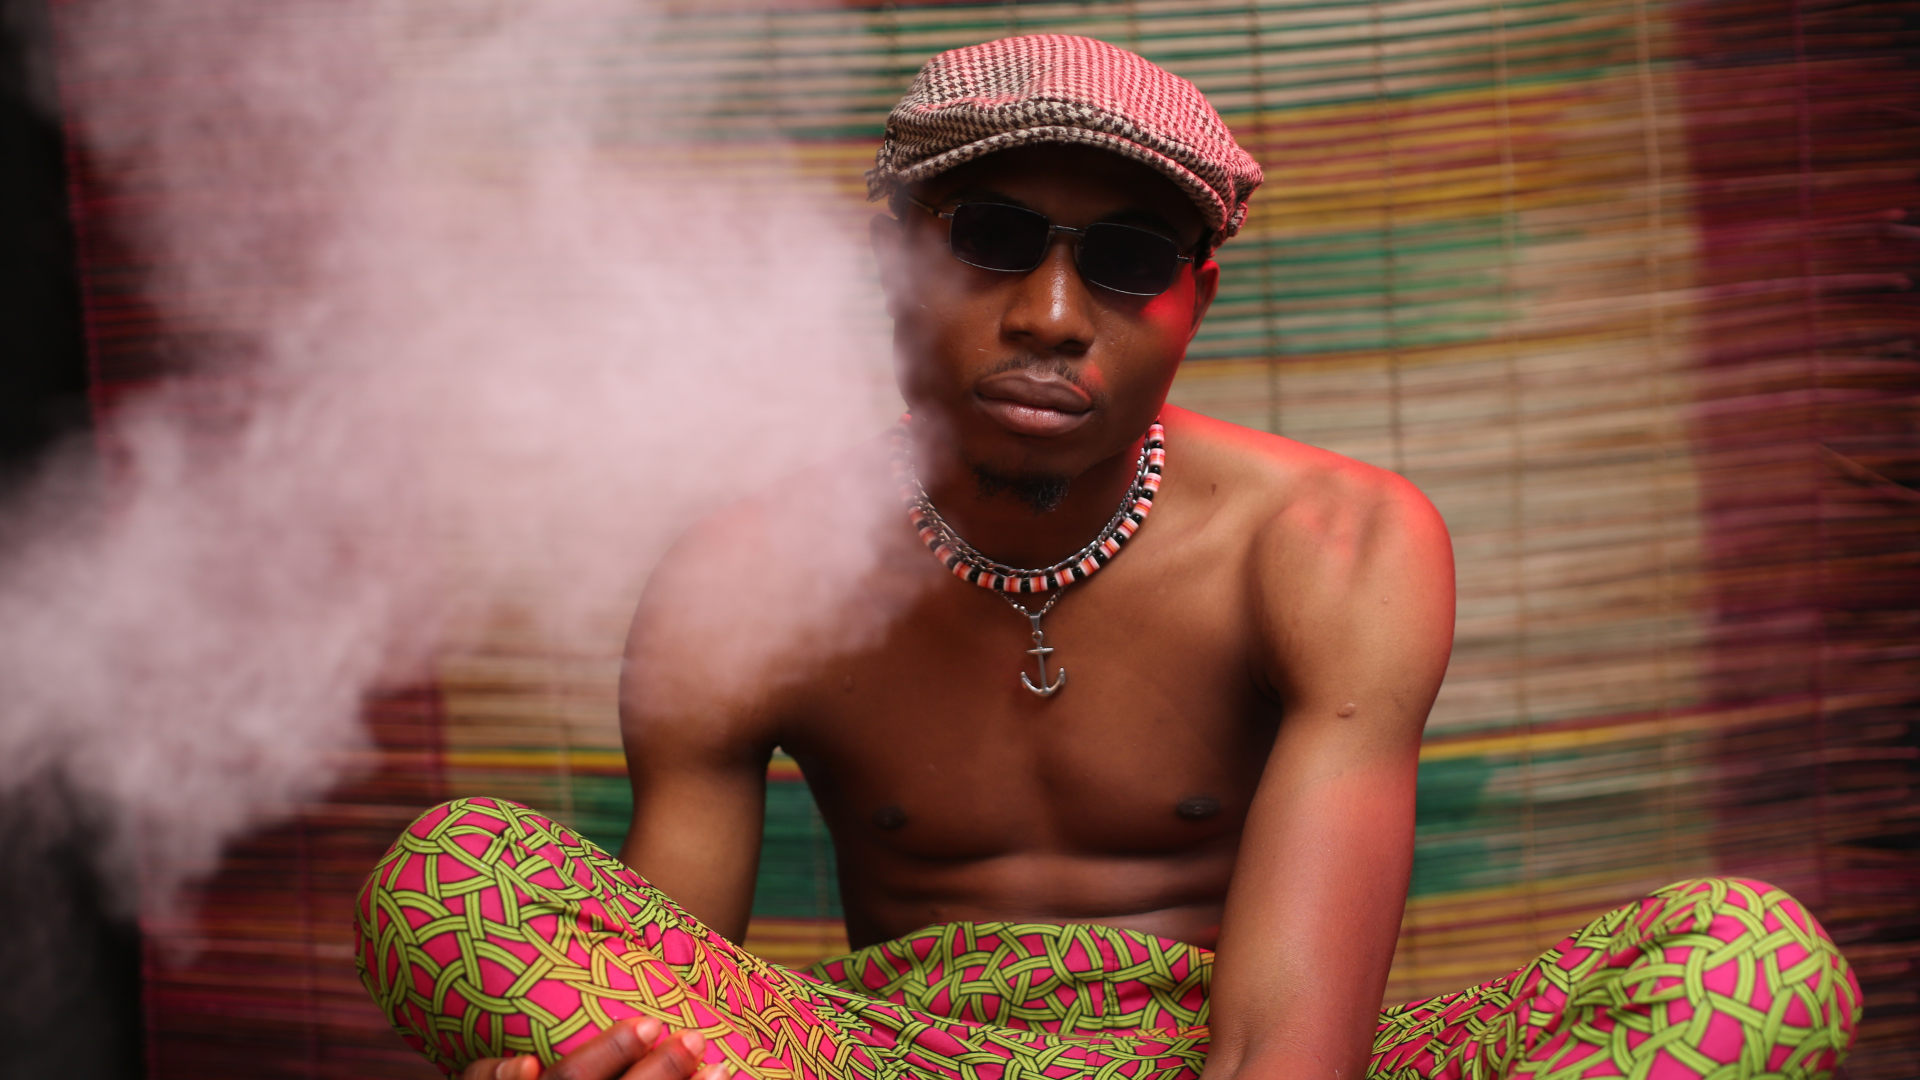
996, 237
1128, 260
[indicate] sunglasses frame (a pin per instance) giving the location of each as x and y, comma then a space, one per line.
1076, 235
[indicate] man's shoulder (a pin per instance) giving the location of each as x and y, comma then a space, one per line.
1328, 543
754, 591
817, 519
1271, 481
782, 572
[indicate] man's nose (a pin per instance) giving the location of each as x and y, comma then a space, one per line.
1051, 308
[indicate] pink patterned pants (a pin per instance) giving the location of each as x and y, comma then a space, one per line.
490, 930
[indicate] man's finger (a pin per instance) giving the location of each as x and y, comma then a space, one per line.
514, 1068
676, 1058
607, 1054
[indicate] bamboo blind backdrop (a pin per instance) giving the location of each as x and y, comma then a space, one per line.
1615, 283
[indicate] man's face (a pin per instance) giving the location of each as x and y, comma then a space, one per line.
1039, 374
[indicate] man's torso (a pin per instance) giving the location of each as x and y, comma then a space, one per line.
955, 793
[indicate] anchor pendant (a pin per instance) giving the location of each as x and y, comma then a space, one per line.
1040, 652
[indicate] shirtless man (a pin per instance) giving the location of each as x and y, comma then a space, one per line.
1232, 763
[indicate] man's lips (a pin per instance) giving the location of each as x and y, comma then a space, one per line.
1029, 403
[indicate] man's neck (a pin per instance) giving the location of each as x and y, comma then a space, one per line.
1004, 527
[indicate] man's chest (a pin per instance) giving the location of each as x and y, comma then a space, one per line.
929, 743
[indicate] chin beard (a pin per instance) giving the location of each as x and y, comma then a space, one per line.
1042, 492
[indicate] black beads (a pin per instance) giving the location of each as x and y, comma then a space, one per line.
976, 569
1198, 808
889, 818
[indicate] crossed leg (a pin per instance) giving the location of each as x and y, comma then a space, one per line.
489, 929
1707, 978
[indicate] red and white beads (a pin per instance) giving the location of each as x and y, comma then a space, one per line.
971, 566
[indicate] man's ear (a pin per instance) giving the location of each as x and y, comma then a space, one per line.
887, 235
1206, 284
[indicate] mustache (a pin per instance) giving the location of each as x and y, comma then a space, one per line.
1045, 365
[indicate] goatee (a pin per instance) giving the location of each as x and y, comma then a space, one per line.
1040, 491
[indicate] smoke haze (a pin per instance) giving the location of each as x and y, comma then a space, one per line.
453, 314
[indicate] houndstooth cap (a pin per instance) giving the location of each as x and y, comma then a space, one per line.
1057, 88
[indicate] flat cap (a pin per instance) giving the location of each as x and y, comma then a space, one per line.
1057, 88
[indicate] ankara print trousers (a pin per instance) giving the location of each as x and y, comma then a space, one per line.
489, 930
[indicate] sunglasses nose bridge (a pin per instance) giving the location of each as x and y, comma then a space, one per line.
1076, 237
1056, 233
1073, 238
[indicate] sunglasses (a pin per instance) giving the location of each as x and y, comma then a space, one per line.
995, 236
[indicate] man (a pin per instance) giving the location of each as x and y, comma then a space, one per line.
1162, 678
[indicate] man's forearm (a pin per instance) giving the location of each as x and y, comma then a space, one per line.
1309, 933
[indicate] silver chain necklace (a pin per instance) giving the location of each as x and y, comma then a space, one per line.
971, 566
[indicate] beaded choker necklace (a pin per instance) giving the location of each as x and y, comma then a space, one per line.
971, 566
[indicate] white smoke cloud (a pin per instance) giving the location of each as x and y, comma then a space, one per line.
454, 319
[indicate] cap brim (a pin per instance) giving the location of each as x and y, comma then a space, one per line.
1218, 216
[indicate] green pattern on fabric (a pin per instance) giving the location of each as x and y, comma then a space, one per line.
1708, 978
488, 929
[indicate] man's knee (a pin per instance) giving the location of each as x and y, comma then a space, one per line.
447, 842
1730, 909
474, 815
1765, 952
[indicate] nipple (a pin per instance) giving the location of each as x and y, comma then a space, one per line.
889, 818
1198, 807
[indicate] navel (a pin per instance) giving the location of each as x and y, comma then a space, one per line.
1198, 808
889, 818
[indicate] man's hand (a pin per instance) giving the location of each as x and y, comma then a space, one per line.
638, 1049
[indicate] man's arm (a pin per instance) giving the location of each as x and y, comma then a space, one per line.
696, 723
1355, 585
697, 742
